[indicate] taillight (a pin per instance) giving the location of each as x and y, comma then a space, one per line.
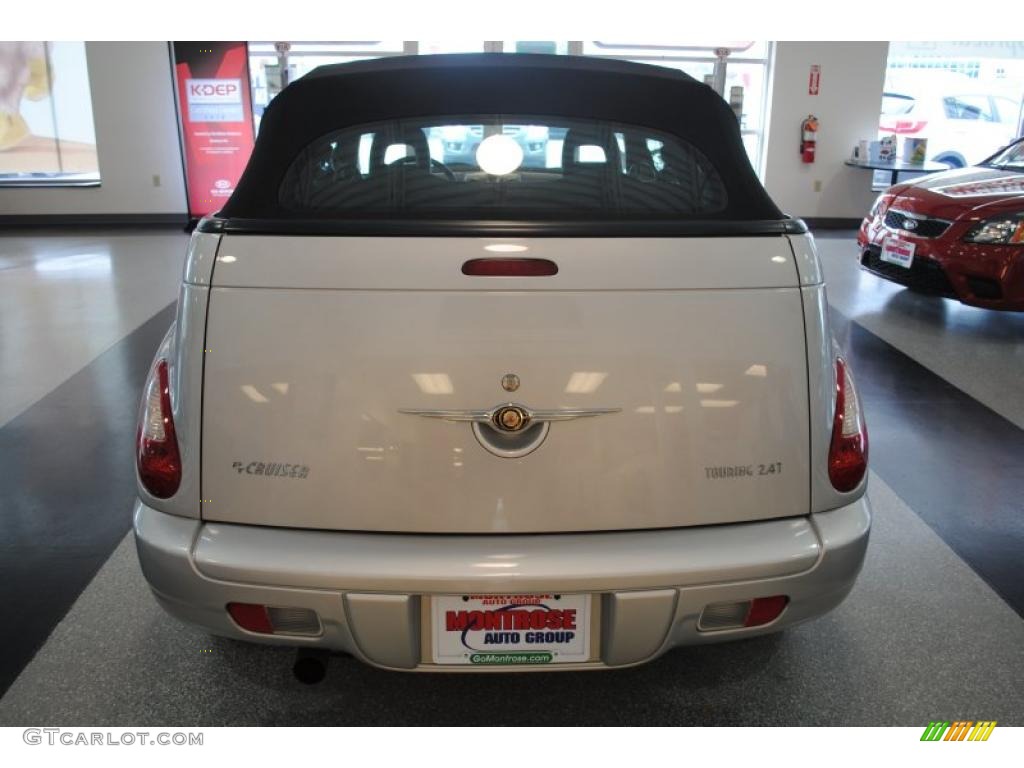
909, 126
848, 451
157, 456
903, 126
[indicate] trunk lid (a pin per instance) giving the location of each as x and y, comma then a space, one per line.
317, 344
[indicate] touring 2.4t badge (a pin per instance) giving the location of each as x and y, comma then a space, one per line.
511, 629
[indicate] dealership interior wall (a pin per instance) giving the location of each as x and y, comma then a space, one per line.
933, 628
137, 136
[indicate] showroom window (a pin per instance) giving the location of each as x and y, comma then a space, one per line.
964, 98
745, 67
47, 137
272, 65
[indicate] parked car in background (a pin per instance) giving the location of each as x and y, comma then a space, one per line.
467, 417
963, 120
958, 234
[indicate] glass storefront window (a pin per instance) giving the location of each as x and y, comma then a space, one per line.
965, 98
427, 47
746, 67
47, 137
751, 77
266, 61
535, 46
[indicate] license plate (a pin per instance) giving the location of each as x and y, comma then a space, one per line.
897, 252
510, 630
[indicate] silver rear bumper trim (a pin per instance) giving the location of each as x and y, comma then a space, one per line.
196, 568
584, 562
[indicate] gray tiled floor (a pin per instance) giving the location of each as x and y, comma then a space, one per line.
920, 637
65, 298
977, 350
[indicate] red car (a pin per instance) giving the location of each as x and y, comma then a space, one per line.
958, 234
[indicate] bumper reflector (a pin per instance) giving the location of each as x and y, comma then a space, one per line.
747, 613
294, 621
272, 620
251, 617
724, 615
764, 610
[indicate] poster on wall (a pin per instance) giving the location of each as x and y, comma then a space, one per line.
215, 109
47, 137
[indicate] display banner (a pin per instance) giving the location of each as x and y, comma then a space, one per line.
215, 110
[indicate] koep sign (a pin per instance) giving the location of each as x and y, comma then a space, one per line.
211, 80
213, 91
214, 100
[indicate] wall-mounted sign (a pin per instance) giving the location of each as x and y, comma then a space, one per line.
814, 83
215, 108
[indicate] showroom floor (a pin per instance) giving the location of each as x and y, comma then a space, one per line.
933, 628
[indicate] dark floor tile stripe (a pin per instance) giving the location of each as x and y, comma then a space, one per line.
67, 483
958, 464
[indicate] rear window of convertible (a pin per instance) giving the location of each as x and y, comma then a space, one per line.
502, 167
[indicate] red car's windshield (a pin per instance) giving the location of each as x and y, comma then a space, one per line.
1011, 158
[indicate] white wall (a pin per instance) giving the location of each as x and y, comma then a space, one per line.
136, 138
848, 105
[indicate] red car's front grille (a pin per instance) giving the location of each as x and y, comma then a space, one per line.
924, 275
922, 227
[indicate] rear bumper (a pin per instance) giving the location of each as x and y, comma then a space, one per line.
369, 589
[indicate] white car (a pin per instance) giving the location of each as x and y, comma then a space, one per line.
963, 121
502, 417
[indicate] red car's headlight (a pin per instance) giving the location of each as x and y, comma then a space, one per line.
880, 205
1002, 230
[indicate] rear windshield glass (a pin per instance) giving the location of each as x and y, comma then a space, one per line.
502, 167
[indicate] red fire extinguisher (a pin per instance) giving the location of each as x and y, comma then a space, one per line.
808, 138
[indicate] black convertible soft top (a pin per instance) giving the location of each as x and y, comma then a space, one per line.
343, 95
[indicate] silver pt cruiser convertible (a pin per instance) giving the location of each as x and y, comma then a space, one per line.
491, 414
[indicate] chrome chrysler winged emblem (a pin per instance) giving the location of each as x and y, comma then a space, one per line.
511, 417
